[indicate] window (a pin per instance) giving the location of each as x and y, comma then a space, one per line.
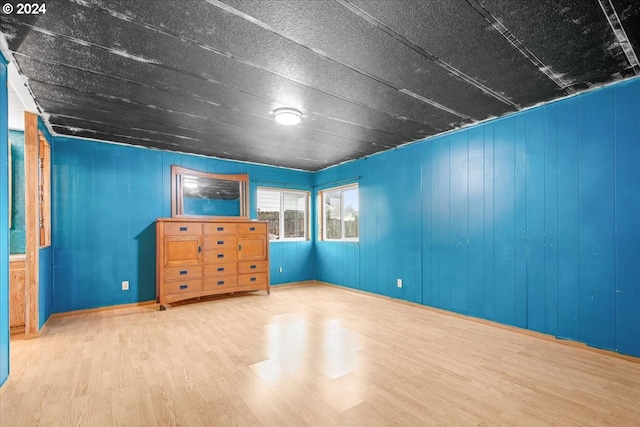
287, 212
340, 213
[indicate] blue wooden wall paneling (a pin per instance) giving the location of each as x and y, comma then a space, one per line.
488, 192
504, 261
408, 233
45, 255
520, 243
627, 212
375, 235
551, 219
444, 227
535, 220
459, 222
427, 223
435, 222
597, 270
17, 234
368, 245
4, 224
568, 223
476, 272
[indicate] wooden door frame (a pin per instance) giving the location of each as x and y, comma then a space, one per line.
32, 141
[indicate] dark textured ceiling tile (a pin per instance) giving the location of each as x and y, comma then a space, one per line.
572, 37
453, 31
97, 85
203, 77
240, 50
345, 38
190, 134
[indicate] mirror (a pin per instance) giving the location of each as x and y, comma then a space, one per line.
201, 194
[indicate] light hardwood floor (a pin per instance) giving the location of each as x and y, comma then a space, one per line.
307, 355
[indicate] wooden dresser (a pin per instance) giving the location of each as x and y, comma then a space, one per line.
198, 257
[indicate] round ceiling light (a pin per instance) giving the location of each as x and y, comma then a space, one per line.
287, 116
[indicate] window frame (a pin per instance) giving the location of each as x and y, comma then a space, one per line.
307, 212
321, 213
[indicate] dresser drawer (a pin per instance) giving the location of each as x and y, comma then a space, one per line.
253, 267
220, 242
220, 269
252, 228
212, 257
252, 279
186, 272
182, 287
182, 229
217, 283
220, 229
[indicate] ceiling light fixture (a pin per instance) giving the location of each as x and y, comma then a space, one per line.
287, 116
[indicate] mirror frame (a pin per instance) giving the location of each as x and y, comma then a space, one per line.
177, 197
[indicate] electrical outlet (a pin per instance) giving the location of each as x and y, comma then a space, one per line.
280, 270
399, 283
125, 285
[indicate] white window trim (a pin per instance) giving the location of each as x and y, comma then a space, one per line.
307, 212
323, 224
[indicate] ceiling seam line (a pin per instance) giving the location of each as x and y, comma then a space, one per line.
516, 43
267, 27
92, 131
618, 30
431, 57
98, 122
210, 49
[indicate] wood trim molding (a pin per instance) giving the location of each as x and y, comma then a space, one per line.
150, 304
32, 241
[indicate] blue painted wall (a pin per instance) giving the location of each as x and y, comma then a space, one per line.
45, 257
529, 220
4, 224
106, 198
17, 233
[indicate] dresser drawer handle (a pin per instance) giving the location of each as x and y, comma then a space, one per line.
253, 266
220, 282
183, 272
220, 268
184, 286
221, 242
253, 279
184, 228
252, 229
220, 255
220, 228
